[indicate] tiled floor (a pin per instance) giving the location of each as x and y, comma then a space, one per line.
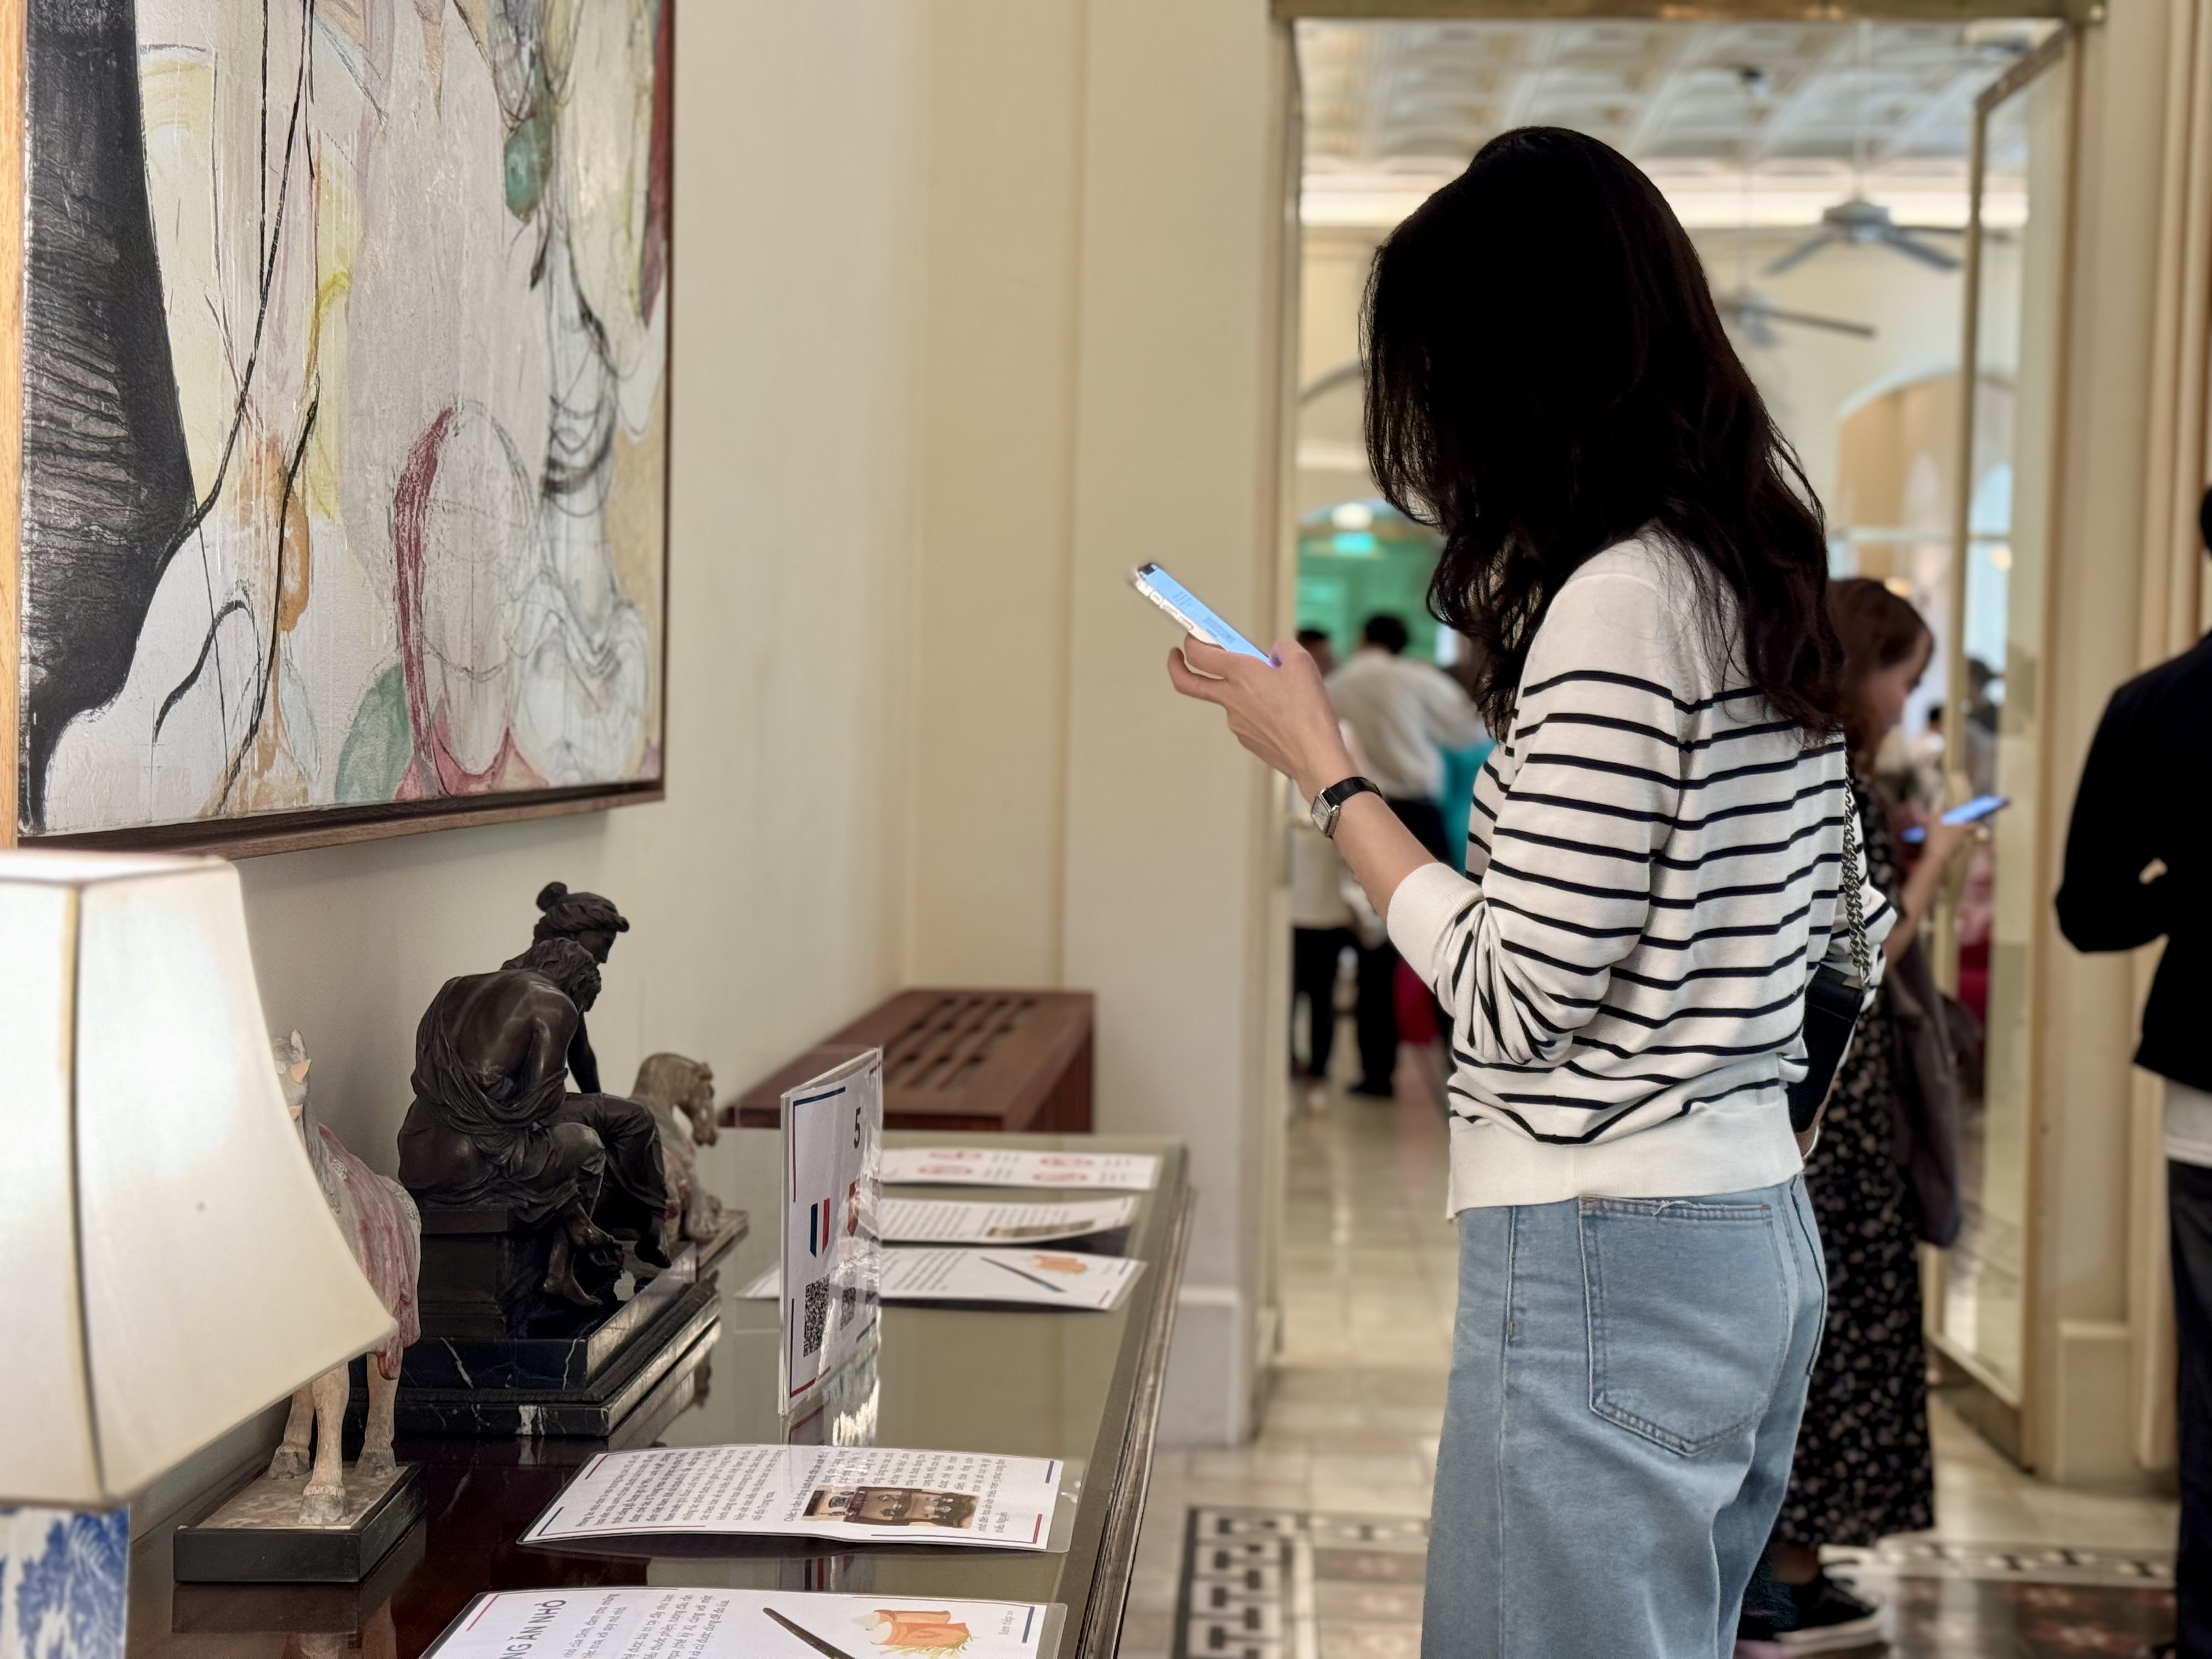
1350, 1425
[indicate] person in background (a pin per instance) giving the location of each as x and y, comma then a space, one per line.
1926, 755
2139, 867
1321, 916
1403, 714
1864, 1467
1319, 647
1463, 766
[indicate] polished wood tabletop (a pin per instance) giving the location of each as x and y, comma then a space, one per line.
1079, 1386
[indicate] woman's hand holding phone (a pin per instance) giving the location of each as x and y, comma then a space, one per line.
1280, 710
1941, 840
1281, 714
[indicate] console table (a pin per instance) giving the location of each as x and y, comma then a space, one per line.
1069, 1385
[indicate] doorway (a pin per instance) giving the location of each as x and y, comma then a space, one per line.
1827, 173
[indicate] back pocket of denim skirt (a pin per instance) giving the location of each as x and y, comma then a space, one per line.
1689, 1316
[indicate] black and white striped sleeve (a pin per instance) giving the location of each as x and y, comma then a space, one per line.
1522, 962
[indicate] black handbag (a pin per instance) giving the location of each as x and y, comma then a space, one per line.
1832, 997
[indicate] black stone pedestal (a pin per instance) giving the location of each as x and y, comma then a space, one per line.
309, 1609
560, 1346
499, 1356
253, 1535
593, 1402
484, 1270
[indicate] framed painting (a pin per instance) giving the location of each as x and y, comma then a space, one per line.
336, 340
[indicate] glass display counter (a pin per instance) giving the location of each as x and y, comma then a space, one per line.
1076, 1385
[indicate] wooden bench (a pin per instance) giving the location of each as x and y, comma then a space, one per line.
1003, 1060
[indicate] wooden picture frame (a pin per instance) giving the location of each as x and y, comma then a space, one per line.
571, 722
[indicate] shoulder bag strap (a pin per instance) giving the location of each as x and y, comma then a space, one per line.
1854, 885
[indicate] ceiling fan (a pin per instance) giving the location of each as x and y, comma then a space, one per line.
1754, 314
1857, 220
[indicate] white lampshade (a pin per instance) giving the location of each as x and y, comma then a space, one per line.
167, 1265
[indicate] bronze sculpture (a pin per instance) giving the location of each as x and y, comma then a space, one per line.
493, 1122
592, 922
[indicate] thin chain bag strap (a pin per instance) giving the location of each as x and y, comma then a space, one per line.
1853, 882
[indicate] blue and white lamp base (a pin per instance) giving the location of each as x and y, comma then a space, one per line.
62, 1574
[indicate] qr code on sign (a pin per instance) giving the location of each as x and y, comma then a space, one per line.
818, 1316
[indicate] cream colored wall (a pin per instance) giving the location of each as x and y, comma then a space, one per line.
975, 313
767, 893
1005, 238
1169, 825
1101, 391
2083, 1324
1331, 282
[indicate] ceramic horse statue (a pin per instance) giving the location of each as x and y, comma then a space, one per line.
385, 1233
681, 1094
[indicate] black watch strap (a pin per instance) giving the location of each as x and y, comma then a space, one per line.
1327, 803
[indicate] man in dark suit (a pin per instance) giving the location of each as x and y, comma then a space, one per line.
2139, 867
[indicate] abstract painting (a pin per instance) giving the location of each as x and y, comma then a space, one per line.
344, 409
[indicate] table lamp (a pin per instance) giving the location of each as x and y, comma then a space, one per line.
167, 1265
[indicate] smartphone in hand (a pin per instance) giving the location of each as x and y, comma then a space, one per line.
1972, 813
1198, 619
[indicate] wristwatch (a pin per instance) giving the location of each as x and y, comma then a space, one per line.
1327, 803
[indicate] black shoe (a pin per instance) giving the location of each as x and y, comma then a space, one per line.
1828, 1619
1373, 1091
1767, 1608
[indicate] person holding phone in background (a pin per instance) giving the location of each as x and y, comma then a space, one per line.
2139, 867
1864, 1466
1653, 879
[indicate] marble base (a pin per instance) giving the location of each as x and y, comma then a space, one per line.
562, 1350
594, 1407
255, 1534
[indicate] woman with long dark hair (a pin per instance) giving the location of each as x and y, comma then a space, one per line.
1864, 1467
1652, 876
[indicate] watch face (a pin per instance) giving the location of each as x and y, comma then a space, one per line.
1323, 814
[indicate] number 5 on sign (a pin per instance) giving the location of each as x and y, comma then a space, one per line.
833, 1140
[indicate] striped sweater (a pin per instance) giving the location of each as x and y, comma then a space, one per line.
1653, 864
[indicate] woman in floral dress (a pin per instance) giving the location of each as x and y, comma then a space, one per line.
1863, 1467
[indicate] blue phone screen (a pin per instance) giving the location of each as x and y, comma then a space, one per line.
1980, 807
1196, 611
